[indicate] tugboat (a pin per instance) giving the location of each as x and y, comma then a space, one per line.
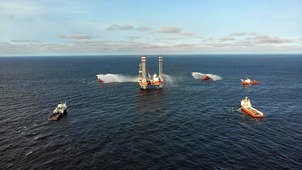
248, 81
247, 107
59, 111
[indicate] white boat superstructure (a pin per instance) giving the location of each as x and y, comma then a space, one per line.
61, 108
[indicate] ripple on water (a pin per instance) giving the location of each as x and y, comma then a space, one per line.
187, 125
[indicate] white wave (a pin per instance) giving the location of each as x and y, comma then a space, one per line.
198, 75
116, 78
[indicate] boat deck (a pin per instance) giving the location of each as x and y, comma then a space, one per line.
255, 111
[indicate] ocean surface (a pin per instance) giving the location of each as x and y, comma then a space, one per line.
189, 124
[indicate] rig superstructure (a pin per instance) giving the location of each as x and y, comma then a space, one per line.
156, 80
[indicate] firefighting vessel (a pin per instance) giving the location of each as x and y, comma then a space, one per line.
248, 81
205, 77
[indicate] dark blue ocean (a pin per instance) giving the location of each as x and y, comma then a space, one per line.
189, 124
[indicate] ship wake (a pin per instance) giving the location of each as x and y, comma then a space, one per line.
198, 75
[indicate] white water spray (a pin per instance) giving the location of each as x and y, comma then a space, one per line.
116, 78
198, 75
168, 81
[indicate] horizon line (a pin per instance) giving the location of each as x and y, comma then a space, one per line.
102, 55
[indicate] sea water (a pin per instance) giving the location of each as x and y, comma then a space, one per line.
189, 123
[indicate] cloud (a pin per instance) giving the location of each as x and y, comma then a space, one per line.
83, 47
165, 30
132, 38
187, 33
168, 30
81, 43
120, 27
252, 42
127, 27
273, 40
143, 28
22, 41
255, 39
116, 27
77, 36
240, 34
173, 30
224, 39
173, 38
265, 39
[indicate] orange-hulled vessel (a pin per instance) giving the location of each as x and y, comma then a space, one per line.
248, 81
205, 77
246, 106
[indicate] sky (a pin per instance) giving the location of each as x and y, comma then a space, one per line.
128, 27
